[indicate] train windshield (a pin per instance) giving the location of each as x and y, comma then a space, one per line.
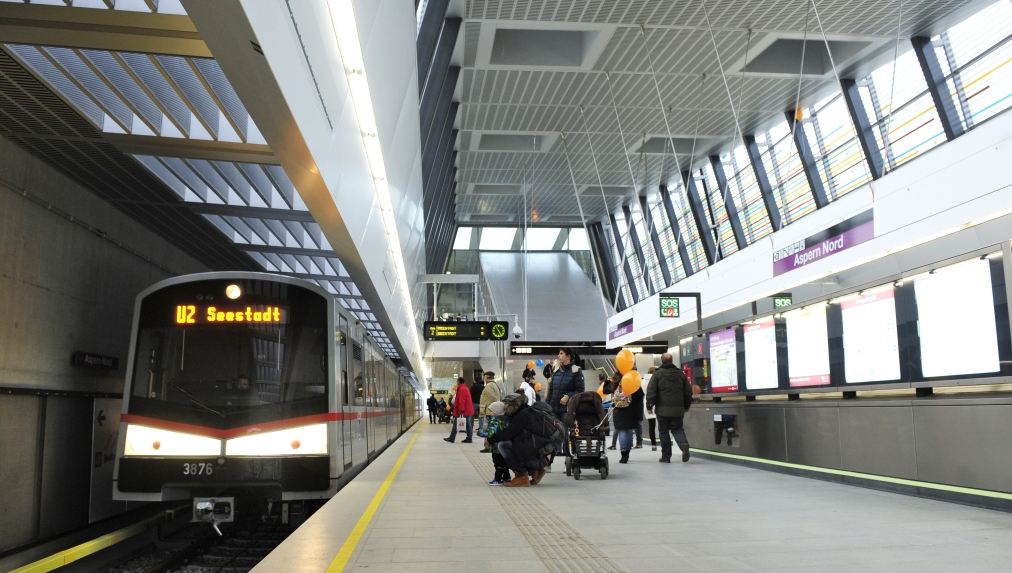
206, 358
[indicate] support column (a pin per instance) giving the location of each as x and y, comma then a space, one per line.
683, 252
638, 247
862, 127
729, 206
939, 90
756, 159
625, 262
699, 214
662, 258
808, 162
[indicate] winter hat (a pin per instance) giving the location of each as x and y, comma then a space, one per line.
513, 402
497, 408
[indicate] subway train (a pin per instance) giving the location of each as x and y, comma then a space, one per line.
255, 385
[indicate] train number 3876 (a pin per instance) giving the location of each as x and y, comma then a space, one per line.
197, 469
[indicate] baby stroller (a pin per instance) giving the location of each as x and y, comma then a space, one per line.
587, 424
443, 416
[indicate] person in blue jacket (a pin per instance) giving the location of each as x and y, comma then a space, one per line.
567, 381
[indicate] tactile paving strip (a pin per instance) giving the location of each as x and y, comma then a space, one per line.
560, 547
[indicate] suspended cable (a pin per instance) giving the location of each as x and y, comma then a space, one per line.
660, 100
652, 226
627, 240
892, 86
797, 104
583, 218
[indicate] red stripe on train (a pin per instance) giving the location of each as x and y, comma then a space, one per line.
251, 429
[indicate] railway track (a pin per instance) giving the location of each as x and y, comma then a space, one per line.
202, 551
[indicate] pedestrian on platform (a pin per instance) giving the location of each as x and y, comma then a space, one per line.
567, 381
432, 405
496, 422
476, 389
650, 416
669, 396
527, 387
491, 393
520, 442
462, 408
628, 414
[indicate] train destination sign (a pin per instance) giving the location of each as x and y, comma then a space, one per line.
669, 306
844, 235
456, 330
191, 314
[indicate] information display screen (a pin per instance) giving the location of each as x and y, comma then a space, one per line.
957, 301
723, 361
456, 330
870, 348
761, 355
807, 346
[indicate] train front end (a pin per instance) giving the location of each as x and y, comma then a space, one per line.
229, 392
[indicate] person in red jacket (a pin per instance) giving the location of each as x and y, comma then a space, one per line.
462, 408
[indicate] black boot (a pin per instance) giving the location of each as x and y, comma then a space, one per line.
625, 458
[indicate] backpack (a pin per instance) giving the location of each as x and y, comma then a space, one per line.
620, 399
551, 428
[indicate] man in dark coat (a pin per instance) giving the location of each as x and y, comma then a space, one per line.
520, 441
431, 403
476, 389
667, 395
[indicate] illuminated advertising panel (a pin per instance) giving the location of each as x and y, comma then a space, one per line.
957, 302
870, 348
807, 346
723, 361
761, 355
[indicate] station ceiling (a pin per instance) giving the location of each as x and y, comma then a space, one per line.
540, 77
128, 103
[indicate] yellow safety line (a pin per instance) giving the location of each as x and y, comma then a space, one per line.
87, 548
873, 477
339, 562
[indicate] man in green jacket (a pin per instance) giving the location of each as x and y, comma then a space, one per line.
667, 397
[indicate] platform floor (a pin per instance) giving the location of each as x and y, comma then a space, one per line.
440, 515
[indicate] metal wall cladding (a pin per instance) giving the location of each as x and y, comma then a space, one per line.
19, 421
66, 467
954, 441
878, 440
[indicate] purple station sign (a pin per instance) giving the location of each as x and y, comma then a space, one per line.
620, 329
842, 236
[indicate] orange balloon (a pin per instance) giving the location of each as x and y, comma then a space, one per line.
631, 382
537, 387
625, 360
530, 364
600, 390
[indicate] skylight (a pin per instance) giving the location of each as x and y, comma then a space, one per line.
463, 240
542, 239
497, 238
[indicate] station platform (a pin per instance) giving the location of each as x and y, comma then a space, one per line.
424, 505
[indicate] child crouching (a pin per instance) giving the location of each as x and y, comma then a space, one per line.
496, 422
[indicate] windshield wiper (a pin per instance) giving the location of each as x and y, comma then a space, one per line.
196, 401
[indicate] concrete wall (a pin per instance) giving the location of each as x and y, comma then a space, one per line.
63, 289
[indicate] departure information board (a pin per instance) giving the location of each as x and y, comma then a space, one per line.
941, 320
870, 347
723, 361
761, 372
807, 346
456, 330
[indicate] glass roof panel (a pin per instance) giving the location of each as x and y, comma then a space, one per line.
497, 238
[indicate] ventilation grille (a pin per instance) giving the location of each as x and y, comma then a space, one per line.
356, 352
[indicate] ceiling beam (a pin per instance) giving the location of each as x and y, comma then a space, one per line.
192, 148
100, 29
315, 277
257, 212
286, 250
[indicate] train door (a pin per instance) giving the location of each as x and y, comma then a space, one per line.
359, 423
370, 400
345, 391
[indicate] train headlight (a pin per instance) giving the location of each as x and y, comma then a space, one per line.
302, 441
146, 441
